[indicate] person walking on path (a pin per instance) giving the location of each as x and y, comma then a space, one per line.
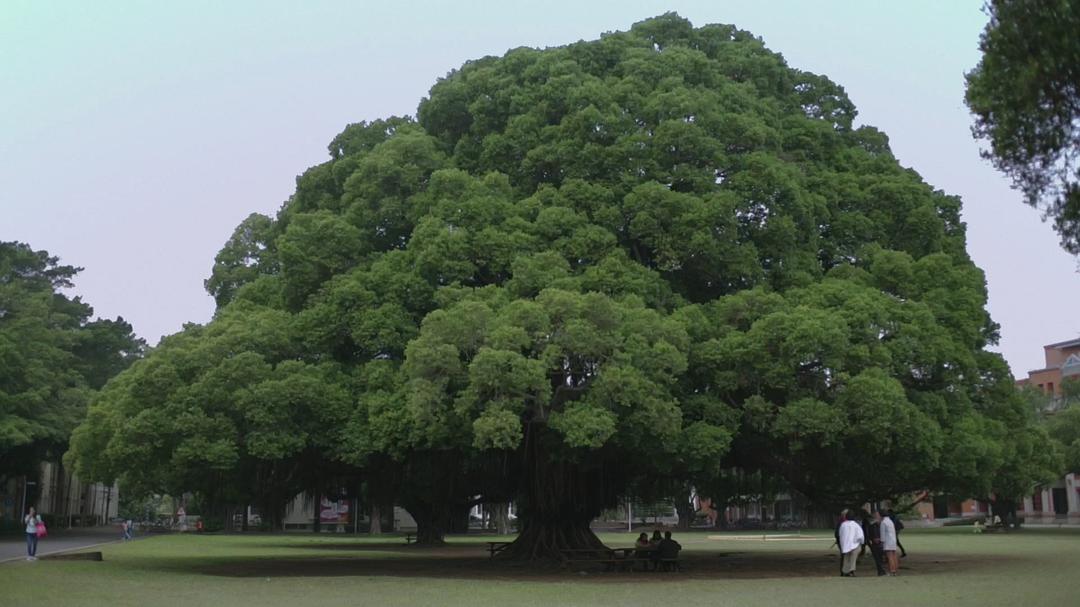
888, 544
873, 537
32, 520
851, 538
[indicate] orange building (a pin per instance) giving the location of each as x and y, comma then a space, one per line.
1060, 500
1047, 503
1062, 362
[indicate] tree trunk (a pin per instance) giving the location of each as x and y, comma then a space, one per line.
316, 525
559, 501
376, 519
230, 518
67, 498
389, 523
429, 534
458, 521
382, 513
685, 509
545, 539
271, 506
432, 520
380, 491
500, 517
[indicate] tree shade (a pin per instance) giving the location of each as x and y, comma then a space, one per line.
649, 258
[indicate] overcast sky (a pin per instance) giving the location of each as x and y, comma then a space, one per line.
134, 136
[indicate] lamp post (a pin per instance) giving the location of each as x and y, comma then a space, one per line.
26, 489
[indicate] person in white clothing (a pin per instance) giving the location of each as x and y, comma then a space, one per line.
888, 544
851, 539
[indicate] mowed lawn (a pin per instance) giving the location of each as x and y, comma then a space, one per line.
946, 566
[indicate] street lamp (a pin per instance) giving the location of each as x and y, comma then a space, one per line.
26, 489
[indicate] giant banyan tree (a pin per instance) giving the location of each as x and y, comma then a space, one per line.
652, 257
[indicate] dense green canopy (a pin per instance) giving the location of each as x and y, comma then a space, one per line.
658, 255
1025, 95
52, 357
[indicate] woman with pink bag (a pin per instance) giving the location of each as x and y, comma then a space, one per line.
35, 528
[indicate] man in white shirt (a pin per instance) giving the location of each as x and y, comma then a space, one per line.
851, 539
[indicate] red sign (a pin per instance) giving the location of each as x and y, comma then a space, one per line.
334, 511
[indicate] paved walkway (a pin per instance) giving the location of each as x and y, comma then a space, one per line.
13, 548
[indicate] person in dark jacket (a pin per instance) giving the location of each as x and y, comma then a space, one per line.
668, 550
836, 534
873, 537
865, 519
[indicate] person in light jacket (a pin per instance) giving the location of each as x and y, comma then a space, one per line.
31, 520
851, 538
888, 544
899, 524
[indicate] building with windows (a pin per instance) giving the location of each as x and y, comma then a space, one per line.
1059, 501
58, 494
1062, 363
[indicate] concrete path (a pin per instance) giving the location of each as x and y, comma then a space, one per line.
13, 548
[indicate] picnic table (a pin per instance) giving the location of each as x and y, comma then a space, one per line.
629, 556
606, 556
622, 559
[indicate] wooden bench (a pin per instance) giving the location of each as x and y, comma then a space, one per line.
494, 547
603, 556
630, 558
669, 565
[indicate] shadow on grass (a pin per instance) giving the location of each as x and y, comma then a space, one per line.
469, 563
355, 546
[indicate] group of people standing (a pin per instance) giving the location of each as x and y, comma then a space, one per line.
880, 533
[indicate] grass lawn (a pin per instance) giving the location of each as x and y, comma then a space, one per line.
946, 566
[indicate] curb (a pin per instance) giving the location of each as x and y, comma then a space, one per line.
61, 551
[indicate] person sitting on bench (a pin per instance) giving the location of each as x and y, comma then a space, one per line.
668, 552
643, 549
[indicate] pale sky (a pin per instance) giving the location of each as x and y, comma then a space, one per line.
135, 135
